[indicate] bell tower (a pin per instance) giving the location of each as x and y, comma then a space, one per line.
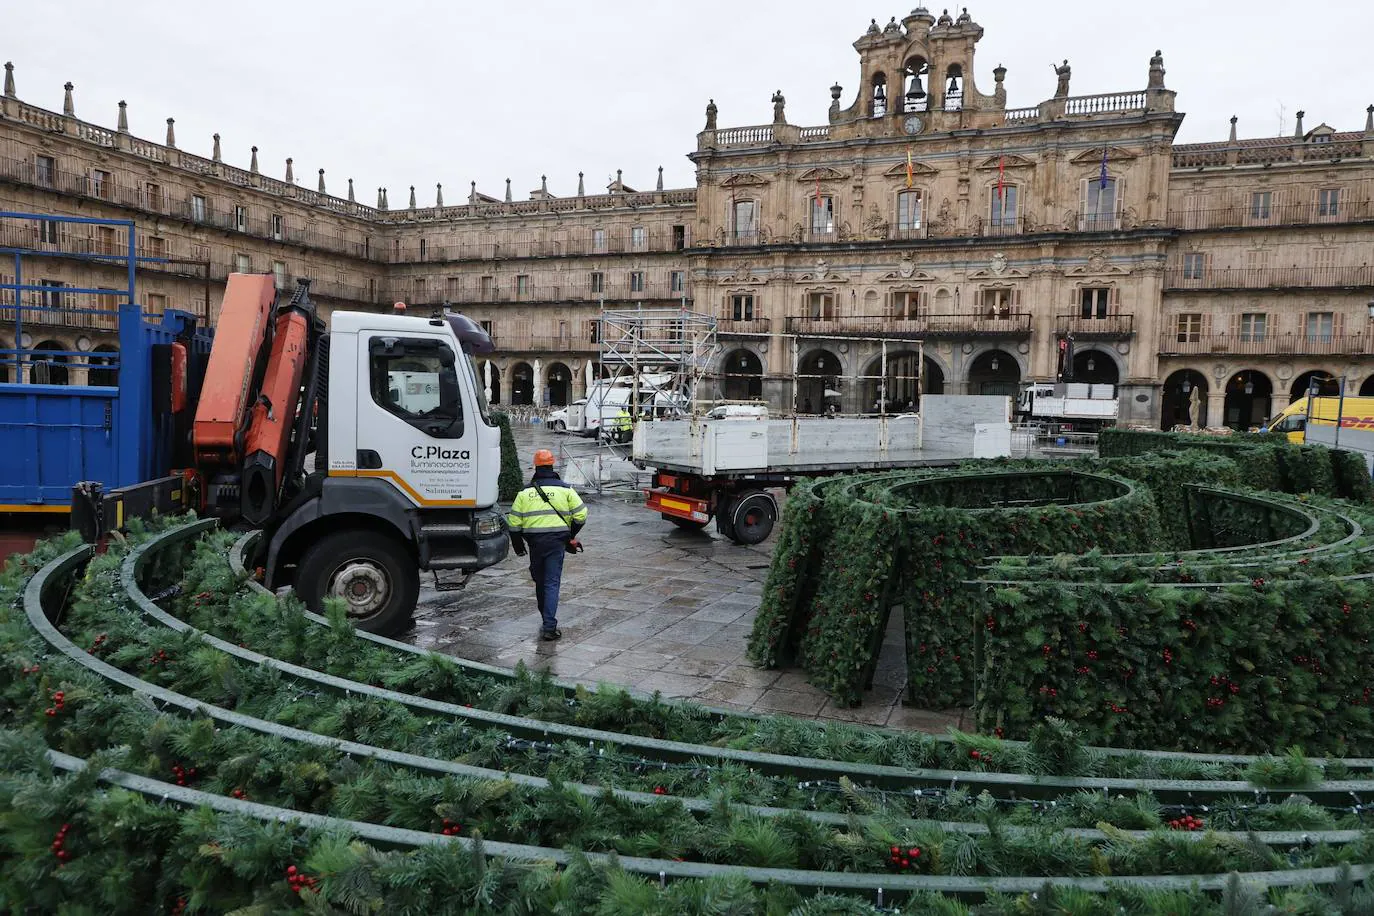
916, 77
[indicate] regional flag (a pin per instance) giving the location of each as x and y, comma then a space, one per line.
909, 168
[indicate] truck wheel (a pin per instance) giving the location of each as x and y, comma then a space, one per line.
686, 524
372, 573
752, 516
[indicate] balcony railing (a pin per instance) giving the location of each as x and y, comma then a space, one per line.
1176, 278
400, 288
1262, 344
1104, 328
1274, 214
517, 342
1004, 324
1275, 151
743, 326
613, 242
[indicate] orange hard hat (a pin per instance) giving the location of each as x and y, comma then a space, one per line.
543, 458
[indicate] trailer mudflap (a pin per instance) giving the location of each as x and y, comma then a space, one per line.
669, 503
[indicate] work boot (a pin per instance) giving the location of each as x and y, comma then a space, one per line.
550, 635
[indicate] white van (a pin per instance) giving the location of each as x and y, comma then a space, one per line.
738, 412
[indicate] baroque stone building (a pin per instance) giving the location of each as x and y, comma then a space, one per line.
1072, 238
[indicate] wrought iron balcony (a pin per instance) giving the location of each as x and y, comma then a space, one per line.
1185, 343
1107, 327
1213, 278
921, 325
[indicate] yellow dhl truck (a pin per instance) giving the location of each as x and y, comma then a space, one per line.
1355, 413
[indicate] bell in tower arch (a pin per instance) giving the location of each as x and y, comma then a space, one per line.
953, 83
915, 92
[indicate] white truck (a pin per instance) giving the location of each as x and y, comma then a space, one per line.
1078, 404
729, 468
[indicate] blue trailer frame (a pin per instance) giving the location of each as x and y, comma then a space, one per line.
56, 436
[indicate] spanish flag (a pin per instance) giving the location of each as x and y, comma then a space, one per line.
909, 168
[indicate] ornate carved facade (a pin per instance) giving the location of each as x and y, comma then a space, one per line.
925, 209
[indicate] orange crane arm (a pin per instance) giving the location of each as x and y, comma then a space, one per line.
228, 390
274, 415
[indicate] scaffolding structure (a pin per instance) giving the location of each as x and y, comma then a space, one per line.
658, 351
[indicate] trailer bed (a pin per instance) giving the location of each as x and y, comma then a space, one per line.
953, 428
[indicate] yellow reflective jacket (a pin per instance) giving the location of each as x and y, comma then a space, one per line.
530, 515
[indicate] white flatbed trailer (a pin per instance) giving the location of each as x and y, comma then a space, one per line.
726, 468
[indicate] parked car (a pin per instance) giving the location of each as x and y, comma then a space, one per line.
558, 419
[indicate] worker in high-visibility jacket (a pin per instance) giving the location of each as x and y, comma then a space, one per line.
622, 427
546, 517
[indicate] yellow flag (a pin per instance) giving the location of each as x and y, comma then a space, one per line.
908, 167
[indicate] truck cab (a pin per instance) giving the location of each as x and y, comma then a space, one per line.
407, 477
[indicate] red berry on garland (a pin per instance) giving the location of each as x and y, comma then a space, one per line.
998, 731
914, 852
906, 863
896, 850
659, 790
974, 754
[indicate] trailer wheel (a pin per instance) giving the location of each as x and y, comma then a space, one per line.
751, 517
372, 574
686, 524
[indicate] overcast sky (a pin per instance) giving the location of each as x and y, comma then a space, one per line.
406, 92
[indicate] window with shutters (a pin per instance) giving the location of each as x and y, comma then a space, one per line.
639, 238
453, 288
1194, 265
105, 240
155, 246
1253, 326
1188, 327
277, 231
997, 303
198, 208
744, 219
908, 211
598, 284
421, 294
679, 238
1261, 205
742, 307
594, 330
1003, 214
243, 264
822, 215
488, 288
820, 306
522, 284
1257, 259
676, 281
240, 218
1320, 327
598, 240
152, 195
49, 297
44, 170
636, 281
1329, 202
48, 231
279, 274
1100, 204
1324, 262
906, 305
101, 184
157, 303
1094, 302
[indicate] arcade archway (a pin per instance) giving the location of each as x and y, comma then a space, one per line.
741, 376
560, 385
994, 372
1248, 395
818, 382
1185, 393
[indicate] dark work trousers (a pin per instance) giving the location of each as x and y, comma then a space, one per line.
546, 569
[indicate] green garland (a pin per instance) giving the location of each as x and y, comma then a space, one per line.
510, 480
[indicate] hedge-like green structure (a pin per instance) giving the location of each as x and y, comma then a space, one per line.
1222, 616
510, 481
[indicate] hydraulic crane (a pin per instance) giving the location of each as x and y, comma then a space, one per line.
405, 463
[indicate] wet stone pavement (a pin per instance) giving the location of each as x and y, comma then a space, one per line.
648, 607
